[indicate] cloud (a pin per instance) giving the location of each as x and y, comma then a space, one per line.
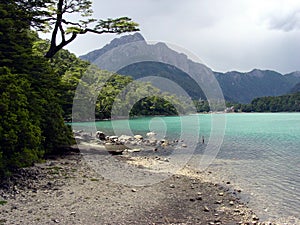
284, 16
227, 35
286, 22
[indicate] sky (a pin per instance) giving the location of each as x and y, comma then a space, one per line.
226, 35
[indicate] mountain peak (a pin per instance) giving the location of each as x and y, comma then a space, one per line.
92, 56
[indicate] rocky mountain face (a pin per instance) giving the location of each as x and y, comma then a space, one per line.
244, 87
236, 86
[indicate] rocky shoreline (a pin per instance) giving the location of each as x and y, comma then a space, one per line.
67, 190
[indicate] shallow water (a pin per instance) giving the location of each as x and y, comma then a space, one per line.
259, 153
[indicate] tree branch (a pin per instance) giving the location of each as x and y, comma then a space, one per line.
65, 27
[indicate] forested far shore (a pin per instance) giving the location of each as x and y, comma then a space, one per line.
284, 103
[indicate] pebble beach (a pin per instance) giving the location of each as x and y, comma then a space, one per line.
67, 189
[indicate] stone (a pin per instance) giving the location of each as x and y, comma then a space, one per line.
100, 135
133, 190
184, 145
172, 186
151, 134
206, 209
254, 217
113, 138
138, 137
231, 203
108, 144
134, 150
164, 144
221, 194
153, 142
126, 138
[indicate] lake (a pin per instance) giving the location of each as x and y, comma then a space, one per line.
258, 152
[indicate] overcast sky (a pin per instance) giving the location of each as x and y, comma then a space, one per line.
225, 34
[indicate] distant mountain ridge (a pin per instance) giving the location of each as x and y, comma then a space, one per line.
244, 87
236, 86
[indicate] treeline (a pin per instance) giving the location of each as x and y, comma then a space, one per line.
285, 103
106, 94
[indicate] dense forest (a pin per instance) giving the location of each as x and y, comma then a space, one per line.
31, 116
285, 103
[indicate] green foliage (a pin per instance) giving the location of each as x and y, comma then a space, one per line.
2, 202
285, 103
30, 108
202, 106
20, 134
105, 90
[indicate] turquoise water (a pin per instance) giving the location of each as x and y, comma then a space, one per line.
259, 153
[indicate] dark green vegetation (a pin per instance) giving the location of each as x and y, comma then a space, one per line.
36, 88
284, 103
30, 108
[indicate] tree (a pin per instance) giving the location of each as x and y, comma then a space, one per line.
52, 16
31, 121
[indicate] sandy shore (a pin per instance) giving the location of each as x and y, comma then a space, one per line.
69, 190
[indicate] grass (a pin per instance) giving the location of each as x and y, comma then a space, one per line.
94, 179
2, 202
54, 170
2, 221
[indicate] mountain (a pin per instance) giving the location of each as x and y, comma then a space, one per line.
244, 87
293, 78
92, 56
296, 88
236, 86
142, 69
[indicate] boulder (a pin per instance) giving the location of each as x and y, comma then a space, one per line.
100, 135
